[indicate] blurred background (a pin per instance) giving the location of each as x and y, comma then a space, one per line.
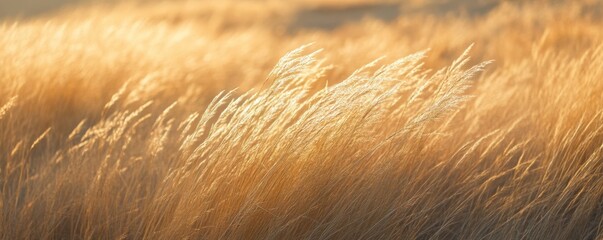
312, 10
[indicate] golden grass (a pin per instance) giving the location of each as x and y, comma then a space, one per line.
159, 121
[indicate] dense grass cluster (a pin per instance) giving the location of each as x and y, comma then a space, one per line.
179, 121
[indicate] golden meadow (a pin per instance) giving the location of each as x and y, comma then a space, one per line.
272, 120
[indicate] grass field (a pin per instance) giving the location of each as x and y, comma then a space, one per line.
362, 119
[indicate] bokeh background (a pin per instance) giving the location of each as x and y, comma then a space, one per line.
353, 8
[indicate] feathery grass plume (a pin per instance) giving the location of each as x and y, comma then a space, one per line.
260, 139
40, 138
7, 106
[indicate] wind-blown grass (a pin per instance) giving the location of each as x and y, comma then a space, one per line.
131, 143
371, 157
